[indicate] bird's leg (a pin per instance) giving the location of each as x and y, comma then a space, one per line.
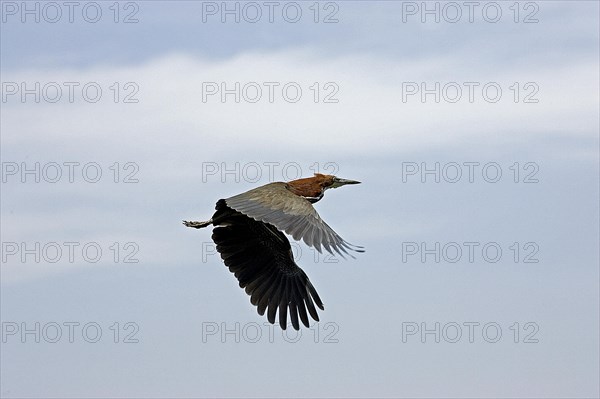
197, 225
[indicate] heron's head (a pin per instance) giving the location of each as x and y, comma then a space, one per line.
312, 188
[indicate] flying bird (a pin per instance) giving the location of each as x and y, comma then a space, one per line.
248, 233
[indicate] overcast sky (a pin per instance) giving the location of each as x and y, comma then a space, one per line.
474, 129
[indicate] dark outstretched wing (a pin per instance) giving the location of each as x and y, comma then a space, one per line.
261, 258
274, 204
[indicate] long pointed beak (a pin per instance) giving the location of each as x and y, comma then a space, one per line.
341, 182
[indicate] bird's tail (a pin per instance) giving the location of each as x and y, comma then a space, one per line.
197, 225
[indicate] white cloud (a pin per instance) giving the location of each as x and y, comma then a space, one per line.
370, 115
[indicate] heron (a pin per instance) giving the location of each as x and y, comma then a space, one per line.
248, 234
